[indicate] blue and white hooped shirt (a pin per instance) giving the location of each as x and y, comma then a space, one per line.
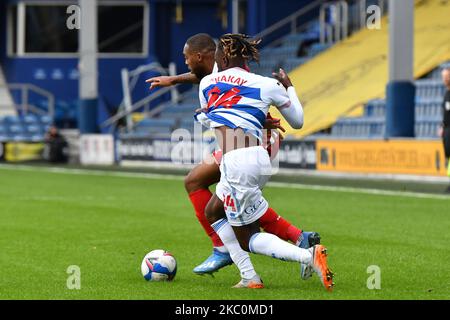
237, 98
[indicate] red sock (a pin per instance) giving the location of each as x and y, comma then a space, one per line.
199, 199
273, 223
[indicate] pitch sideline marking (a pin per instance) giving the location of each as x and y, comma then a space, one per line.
274, 184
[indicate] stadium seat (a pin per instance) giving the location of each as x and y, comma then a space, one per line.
16, 129
294, 38
176, 116
42, 104
156, 123
293, 63
427, 128
367, 127
377, 128
190, 124
268, 63
30, 118
10, 120
181, 108
429, 89
316, 48
155, 126
34, 129
154, 131
46, 120
37, 137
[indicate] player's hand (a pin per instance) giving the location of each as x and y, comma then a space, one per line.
283, 78
161, 81
274, 123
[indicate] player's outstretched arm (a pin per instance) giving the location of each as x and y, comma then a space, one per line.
167, 81
291, 110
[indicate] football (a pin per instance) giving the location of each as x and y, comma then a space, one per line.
159, 265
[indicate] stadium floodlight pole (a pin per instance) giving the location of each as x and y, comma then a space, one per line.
235, 16
400, 90
21, 28
88, 81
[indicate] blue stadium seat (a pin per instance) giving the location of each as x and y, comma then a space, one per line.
316, 48
364, 127
30, 118
189, 123
20, 137
293, 63
377, 128
153, 130
264, 70
176, 116
380, 108
279, 54
155, 126
12, 120
294, 38
336, 129
369, 109
37, 137
35, 129
375, 108
267, 63
181, 108
46, 120
42, 104
16, 129
427, 128
429, 89
156, 123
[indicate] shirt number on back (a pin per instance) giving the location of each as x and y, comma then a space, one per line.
226, 100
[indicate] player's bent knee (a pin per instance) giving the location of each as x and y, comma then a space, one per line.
188, 183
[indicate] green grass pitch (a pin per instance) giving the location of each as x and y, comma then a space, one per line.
105, 225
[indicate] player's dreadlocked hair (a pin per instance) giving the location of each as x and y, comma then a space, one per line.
239, 45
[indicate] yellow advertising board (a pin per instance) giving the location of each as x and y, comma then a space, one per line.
375, 156
18, 151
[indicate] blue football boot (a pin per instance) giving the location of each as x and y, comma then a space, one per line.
214, 262
306, 241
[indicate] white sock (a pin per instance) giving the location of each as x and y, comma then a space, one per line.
240, 258
272, 246
222, 249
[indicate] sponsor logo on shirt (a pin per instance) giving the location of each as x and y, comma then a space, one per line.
252, 209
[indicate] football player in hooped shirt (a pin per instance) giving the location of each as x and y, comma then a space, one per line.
234, 103
199, 55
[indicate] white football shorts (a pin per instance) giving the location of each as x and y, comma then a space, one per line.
244, 172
